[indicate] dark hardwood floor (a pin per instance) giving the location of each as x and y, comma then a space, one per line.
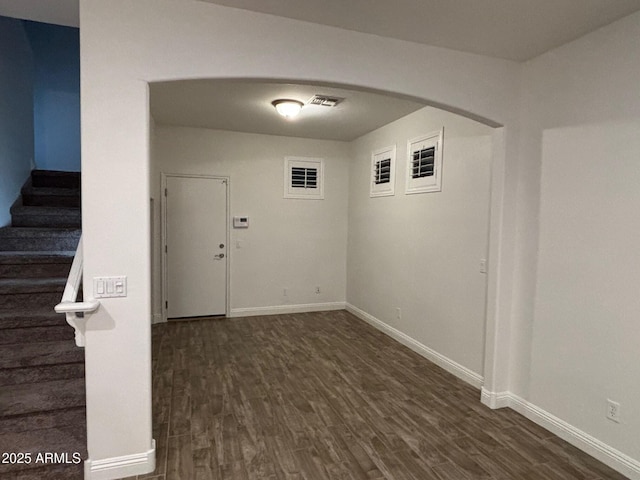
325, 396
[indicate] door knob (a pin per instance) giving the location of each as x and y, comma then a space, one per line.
219, 256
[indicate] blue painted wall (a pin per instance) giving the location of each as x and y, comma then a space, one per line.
56, 95
16, 113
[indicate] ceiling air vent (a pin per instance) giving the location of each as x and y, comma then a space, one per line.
325, 100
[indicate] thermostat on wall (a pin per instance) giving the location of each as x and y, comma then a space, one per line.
240, 222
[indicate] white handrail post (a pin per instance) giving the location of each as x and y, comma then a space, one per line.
72, 319
69, 306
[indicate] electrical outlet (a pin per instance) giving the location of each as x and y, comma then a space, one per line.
613, 411
483, 265
398, 313
317, 290
285, 292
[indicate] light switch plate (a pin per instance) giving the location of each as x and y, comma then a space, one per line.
109, 287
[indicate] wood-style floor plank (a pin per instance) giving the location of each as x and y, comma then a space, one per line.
320, 396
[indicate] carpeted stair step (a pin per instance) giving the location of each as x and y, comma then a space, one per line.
25, 239
43, 373
30, 398
65, 440
32, 293
31, 318
35, 264
10, 336
39, 421
55, 179
49, 196
40, 353
57, 217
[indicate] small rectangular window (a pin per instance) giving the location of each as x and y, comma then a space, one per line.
425, 163
303, 178
383, 166
383, 171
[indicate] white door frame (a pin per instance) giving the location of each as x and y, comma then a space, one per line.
165, 274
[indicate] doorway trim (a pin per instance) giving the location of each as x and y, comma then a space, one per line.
163, 219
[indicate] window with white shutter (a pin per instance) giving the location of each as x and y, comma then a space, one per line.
383, 172
424, 165
303, 178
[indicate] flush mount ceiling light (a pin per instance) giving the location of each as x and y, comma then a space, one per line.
287, 108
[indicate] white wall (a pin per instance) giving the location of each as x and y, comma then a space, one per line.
421, 252
588, 87
127, 43
16, 113
582, 125
292, 244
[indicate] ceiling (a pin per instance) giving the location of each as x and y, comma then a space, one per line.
511, 29
246, 106
58, 12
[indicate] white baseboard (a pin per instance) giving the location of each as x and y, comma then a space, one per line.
284, 309
495, 400
576, 437
156, 318
449, 365
121, 467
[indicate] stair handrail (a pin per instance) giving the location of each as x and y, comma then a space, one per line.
68, 305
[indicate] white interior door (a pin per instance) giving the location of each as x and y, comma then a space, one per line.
196, 246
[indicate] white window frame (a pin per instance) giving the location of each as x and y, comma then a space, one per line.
383, 189
304, 193
432, 183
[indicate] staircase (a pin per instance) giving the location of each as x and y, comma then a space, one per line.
42, 392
